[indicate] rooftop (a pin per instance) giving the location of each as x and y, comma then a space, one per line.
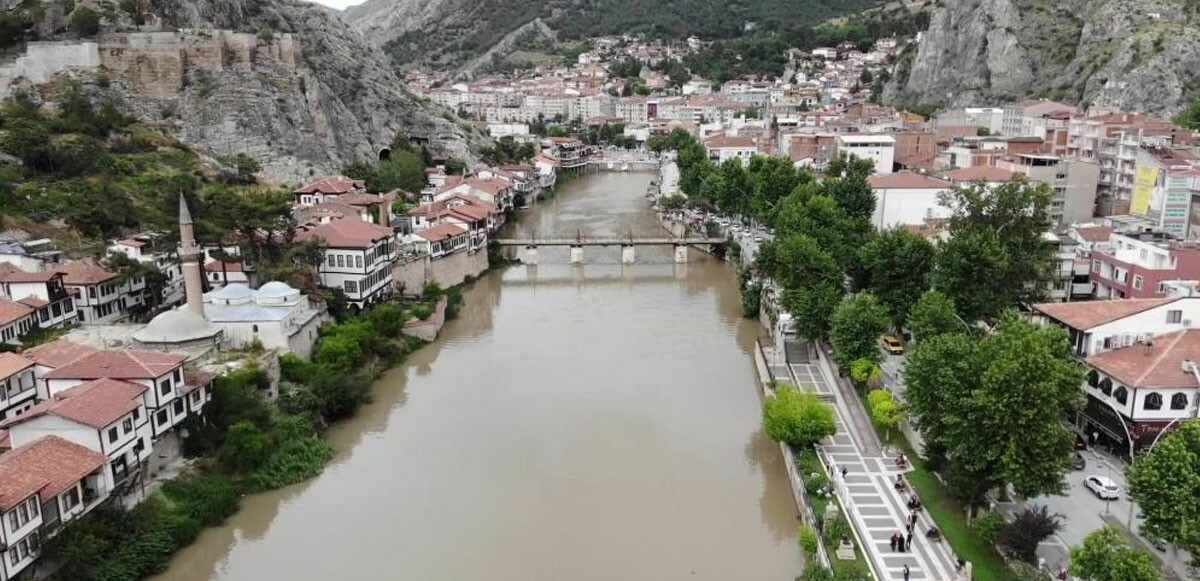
332, 185
907, 180
121, 364
12, 364
12, 311
86, 271
441, 232
58, 353
979, 173
1087, 314
1154, 365
47, 466
96, 403
350, 232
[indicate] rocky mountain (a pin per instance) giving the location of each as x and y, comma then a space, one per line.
456, 32
1131, 54
285, 81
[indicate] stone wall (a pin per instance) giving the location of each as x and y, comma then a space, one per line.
428, 329
43, 60
410, 277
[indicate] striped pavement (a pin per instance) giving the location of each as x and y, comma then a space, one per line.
875, 507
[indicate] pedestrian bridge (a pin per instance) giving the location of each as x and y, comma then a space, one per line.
627, 244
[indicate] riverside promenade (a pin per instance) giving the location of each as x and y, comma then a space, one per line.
875, 508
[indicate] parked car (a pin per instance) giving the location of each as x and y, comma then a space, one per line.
1077, 462
1103, 487
892, 344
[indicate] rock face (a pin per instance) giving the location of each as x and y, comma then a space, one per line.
294, 87
1139, 55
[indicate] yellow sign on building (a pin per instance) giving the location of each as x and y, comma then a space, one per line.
1143, 189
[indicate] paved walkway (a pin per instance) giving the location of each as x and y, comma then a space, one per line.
875, 507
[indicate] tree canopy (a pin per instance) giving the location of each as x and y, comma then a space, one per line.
933, 314
1165, 481
1107, 555
797, 417
855, 328
897, 267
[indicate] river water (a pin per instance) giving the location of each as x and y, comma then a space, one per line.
594, 422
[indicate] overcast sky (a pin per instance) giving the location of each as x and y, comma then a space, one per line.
339, 4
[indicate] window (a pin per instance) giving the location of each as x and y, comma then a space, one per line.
1174, 316
1138, 282
1105, 386
1121, 395
165, 388
178, 407
162, 416
330, 261
127, 425
1093, 378
1153, 402
350, 286
341, 261
358, 262
137, 414
196, 397
33, 507
1179, 401
112, 434
254, 328
71, 498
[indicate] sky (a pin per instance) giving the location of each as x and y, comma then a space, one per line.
339, 4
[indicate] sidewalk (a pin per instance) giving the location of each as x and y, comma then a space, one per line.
873, 506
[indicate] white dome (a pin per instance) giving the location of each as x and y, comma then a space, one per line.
275, 290
177, 326
232, 294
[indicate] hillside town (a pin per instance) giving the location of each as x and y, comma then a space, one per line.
104, 372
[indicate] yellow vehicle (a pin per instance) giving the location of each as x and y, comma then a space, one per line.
892, 344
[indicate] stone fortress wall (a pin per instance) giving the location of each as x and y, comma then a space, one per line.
154, 63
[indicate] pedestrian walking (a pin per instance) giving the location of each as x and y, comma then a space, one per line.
908, 539
906, 573
844, 473
908, 527
900, 544
895, 537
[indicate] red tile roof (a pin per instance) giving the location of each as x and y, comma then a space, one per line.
86, 271
12, 311
119, 364
980, 173
349, 232
10, 273
96, 403
1084, 315
58, 352
441, 232
908, 180
47, 466
12, 364
1156, 365
34, 302
359, 199
332, 185
215, 266
725, 142
1094, 233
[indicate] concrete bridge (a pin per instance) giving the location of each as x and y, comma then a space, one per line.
627, 244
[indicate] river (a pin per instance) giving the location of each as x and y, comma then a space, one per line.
594, 422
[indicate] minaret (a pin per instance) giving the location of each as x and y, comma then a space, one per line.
189, 259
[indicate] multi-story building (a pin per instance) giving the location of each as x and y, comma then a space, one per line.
1113, 140
101, 296
1072, 181
105, 415
16, 319
1165, 182
1135, 265
328, 189
18, 386
43, 291
47, 483
142, 249
171, 395
907, 198
722, 148
358, 258
1034, 118
1141, 358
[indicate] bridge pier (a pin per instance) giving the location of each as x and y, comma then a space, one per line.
531, 255
681, 253
576, 254
628, 254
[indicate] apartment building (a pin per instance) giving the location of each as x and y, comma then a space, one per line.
1073, 183
1165, 183
907, 198
357, 258
1135, 265
880, 149
1113, 140
18, 386
723, 148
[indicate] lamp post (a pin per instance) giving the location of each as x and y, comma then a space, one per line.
1129, 438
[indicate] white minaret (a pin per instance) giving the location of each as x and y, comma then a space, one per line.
189, 259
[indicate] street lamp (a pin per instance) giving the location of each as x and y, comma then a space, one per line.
1129, 438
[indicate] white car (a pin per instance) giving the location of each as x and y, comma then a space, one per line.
1103, 486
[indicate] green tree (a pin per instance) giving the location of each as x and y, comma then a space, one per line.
1190, 117
992, 406
1107, 555
996, 234
810, 212
932, 315
1165, 481
885, 410
1030, 527
245, 448
404, 170
855, 328
84, 21
808, 540
898, 267
797, 417
812, 281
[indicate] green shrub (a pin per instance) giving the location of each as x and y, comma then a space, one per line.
246, 447
808, 540
797, 417
989, 526
84, 21
299, 454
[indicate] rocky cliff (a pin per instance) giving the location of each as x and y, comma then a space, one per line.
1131, 54
284, 81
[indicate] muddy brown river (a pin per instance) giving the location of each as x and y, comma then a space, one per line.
584, 423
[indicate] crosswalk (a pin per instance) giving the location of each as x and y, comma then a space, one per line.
876, 508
